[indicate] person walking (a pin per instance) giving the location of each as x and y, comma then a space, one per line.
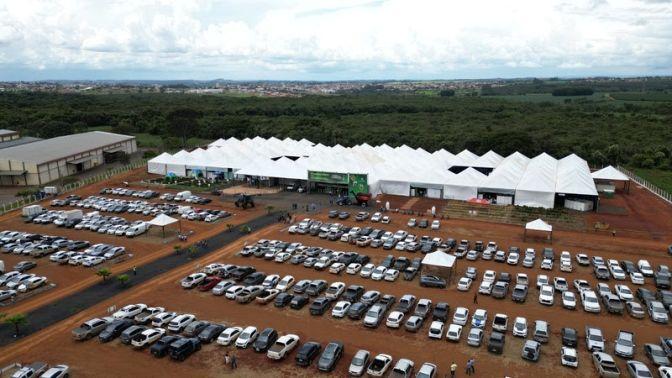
234, 362
135, 270
226, 359
473, 369
468, 371
476, 297
453, 369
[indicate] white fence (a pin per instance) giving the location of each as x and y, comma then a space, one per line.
23, 201
649, 186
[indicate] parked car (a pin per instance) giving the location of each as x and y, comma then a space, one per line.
330, 356
307, 353
605, 365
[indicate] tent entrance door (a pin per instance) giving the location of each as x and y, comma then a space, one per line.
418, 192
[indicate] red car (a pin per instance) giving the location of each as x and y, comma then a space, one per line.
208, 283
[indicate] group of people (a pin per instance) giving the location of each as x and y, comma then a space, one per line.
232, 360
284, 218
469, 370
202, 243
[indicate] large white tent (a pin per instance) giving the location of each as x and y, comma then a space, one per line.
391, 170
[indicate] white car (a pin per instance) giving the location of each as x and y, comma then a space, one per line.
485, 287
569, 357
566, 266
282, 346
542, 280
163, 318
270, 281
436, 224
285, 283
489, 275
247, 337
233, 291
394, 319
547, 264
93, 261
178, 323
568, 300
391, 275
624, 292
282, 257
589, 301
229, 336
353, 268
129, 311
464, 284
385, 220
367, 270
76, 259
31, 283
147, 337
645, 267
341, 309
617, 272
192, 280
461, 316
376, 217
378, 273
454, 332
560, 284
436, 330
546, 295
582, 259
336, 268
637, 278
379, 366
521, 279
335, 290
479, 319
513, 258
520, 327
581, 285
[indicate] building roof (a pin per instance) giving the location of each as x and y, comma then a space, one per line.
18, 142
609, 173
47, 150
4, 132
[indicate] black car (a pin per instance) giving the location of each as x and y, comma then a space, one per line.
569, 337
307, 353
423, 223
441, 311
211, 332
195, 327
316, 287
183, 348
298, 302
129, 333
283, 299
410, 273
548, 253
388, 262
357, 310
629, 266
402, 263
645, 295
496, 342
256, 278
665, 296
265, 340
519, 293
77, 245
242, 272
432, 281
319, 306
160, 348
661, 280
330, 356
348, 258
114, 329
362, 259
353, 293
333, 213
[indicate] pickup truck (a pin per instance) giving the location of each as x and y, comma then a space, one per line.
89, 329
594, 339
605, 365
625, 344
32, 370
147, 314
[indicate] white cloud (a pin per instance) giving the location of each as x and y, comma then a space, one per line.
310, 39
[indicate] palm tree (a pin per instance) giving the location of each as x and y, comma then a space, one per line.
123, 279
103, 272
17, 320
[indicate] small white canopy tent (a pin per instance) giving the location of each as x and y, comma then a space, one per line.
439, 264
610, 173
163, 220
538, 225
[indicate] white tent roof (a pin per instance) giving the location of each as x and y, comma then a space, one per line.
540, 174
573, 177
162, 220
439, 258
538, 225
609, 173
490, 159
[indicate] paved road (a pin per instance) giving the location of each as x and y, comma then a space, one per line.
56, 311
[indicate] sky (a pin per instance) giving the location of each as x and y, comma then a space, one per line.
332, 40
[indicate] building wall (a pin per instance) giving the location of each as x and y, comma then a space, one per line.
8, 137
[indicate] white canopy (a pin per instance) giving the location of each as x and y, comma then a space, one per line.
439, 258
538, 225
162, 220
609, 173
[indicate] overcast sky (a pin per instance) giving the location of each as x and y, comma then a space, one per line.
332, 40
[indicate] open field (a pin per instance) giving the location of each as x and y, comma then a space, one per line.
632, 243
658, 177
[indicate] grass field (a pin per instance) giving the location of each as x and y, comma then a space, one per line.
660, 178
642, 96
547, 97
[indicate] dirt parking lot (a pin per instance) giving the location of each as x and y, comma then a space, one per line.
55, 344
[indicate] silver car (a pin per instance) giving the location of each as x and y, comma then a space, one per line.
359, 363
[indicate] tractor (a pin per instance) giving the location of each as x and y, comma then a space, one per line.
244, 201
361, 199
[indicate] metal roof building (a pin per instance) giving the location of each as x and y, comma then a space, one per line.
47, 160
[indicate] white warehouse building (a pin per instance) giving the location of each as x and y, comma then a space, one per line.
540, 181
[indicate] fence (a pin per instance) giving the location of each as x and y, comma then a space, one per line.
23, 201
649, 186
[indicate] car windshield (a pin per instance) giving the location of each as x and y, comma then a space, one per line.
330, 351
595, 337
591, 299
358, 361
626, 342
570, 358
658, 352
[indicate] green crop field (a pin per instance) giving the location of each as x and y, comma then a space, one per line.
659, 178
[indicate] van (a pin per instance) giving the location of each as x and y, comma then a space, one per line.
541, 331
137, 229
32, 210
181, 196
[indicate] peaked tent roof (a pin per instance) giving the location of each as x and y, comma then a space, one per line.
490, 159
162, 220
538, 225
609, 173
439, 258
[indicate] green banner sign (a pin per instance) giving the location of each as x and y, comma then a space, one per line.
358, 184
328, 177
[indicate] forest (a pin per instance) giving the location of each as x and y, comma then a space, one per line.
608, 131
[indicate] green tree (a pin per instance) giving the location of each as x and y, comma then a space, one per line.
17, 320
192, 250
123, 279
177, 249
447, 93
182, 122
269, 209
104, 273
